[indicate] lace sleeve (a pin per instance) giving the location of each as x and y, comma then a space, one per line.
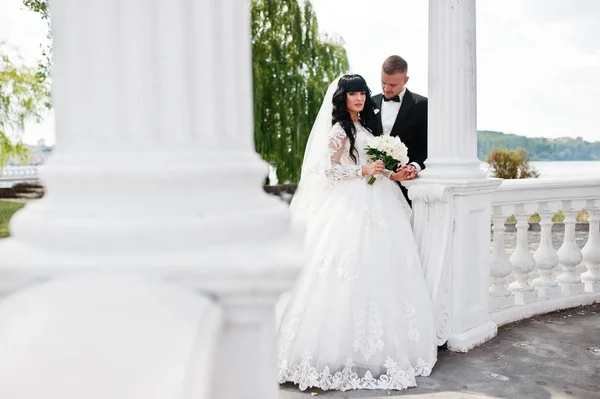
337, 171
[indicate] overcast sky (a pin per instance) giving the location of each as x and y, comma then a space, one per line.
538, 61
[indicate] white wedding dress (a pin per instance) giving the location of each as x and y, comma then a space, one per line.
360, 315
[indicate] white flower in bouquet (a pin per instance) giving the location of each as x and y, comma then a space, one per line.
390, 150
401, 153
380, 145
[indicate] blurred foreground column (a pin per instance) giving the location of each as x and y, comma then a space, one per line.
155, 171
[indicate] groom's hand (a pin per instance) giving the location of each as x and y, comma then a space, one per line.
412, 170
407, 172
400, 175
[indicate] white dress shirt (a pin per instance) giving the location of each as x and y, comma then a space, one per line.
389, 112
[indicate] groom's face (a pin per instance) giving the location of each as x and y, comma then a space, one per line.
393, 84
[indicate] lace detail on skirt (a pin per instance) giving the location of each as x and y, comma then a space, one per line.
305, 375
368, 330
291, 318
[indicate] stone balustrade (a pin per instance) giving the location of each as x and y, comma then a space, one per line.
526, 282
12, 175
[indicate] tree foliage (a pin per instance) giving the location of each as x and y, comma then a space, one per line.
292, 67
511, 164
42, 7
39, 6
23, 98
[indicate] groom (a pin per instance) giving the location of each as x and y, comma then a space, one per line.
403, 114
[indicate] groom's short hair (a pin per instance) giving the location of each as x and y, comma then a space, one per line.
394, 64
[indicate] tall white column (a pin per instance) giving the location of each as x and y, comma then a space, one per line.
452, 105
155, 169
452, 162
167, 74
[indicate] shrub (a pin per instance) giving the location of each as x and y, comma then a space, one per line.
511, 164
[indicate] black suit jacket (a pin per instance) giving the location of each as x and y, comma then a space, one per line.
410, 125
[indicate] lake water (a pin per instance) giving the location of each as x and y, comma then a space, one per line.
563, 168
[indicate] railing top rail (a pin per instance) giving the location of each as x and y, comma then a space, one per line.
556, 189
18, 170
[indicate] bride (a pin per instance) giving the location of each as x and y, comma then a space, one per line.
360, 314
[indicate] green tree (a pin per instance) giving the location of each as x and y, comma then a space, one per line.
42, 7
511, 164
292, 67
23, 98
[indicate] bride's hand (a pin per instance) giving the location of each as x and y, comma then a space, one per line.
373, 169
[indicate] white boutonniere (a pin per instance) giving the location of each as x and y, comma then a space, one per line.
376, 111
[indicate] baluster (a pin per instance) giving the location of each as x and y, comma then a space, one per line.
545, 256
500, 266
522, 260
591, 250
569, 254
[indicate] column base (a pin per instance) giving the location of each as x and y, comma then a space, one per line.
548, 292
501, 302
571, 288
469, 339
453, 168
452, 227
592, 286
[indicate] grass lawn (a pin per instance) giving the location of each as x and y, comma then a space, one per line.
7, 209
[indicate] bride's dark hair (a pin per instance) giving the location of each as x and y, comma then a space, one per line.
353, 84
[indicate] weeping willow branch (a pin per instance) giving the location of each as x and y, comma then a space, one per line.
292, 67
23, 99
44, 68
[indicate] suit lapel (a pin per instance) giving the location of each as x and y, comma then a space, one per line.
407, 103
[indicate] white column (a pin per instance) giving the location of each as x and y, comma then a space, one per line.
569, 253
591, 250
162, 73
155, 169
452, 113
452, 162
545, 256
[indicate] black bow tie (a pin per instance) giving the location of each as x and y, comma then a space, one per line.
394, 99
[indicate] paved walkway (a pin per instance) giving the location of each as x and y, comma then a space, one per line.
550, 356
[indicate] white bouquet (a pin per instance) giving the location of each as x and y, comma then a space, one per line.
390, 150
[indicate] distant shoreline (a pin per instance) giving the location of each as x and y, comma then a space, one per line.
539, 149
